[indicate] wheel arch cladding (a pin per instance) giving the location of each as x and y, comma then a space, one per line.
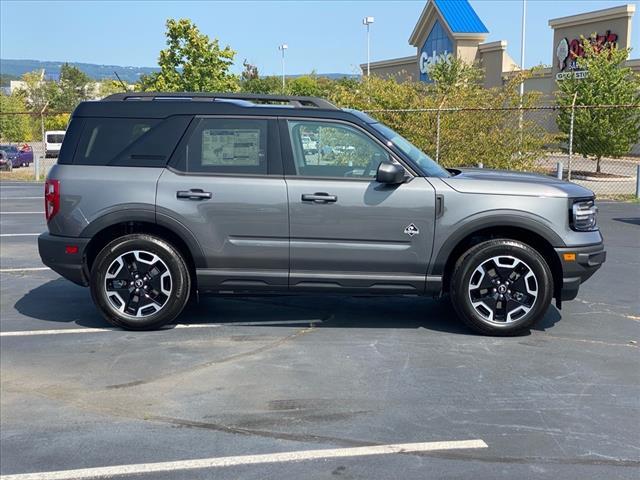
178, 236
465, 237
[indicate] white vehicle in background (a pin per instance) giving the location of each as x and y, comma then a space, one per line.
309, 145
53, 142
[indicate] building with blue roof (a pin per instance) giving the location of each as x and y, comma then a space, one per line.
452, 29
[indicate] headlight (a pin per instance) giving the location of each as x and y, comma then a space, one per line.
583, 215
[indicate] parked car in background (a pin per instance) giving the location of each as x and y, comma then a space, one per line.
309, 145
19, 156
53, 142
5, 163
25, 154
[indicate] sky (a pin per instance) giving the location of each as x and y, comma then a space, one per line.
323, 36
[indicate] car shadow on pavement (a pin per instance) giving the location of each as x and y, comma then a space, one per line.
629, 220
62, 302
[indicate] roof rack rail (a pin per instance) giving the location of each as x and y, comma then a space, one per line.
293, 100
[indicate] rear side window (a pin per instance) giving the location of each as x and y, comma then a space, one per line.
220, 145
104, 138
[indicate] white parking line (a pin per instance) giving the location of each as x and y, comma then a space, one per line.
41, 197
60, 331
20, 213
282, 457
19, 234
33, 269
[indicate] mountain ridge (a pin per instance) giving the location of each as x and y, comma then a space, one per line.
97, 72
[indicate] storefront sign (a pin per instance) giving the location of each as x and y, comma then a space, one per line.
568, 52
425, 61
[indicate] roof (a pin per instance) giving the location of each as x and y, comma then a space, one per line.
460, 16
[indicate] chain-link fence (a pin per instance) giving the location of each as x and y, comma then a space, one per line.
28, 140
595, 146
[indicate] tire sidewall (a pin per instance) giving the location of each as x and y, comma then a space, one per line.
181, 285
479, 254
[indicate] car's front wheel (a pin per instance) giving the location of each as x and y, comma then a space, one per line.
501, 287
140, 282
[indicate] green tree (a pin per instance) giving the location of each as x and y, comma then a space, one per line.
449, 74
110, 86
264, 85
191, 62
14, 127
474, 124
601, 132
74, 87
37, 93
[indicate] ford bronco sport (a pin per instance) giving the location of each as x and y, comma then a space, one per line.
158, 197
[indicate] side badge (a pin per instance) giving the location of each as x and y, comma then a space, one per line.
411, 230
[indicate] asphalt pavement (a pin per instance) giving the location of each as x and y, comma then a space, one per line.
315, 386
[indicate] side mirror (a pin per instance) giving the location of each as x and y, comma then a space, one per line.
390, 173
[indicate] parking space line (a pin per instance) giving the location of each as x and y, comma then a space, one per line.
31, 269
18, 234
41, 197
281, 457
21, 213
60, 331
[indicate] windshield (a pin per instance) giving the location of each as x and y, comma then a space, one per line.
428, 166
55, 137
8, 148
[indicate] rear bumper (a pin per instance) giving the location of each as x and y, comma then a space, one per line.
587, 260
52, 249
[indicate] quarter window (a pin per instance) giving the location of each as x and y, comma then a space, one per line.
104, 138
228, 146
326, 149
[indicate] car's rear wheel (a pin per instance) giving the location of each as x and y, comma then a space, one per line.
501, 287
140, 282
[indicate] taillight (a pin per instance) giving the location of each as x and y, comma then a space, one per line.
51, 198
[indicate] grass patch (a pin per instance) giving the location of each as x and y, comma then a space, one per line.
19, 175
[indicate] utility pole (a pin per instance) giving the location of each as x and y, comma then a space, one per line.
368, 21
282, 48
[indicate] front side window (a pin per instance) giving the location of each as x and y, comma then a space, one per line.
326, 149
228, 146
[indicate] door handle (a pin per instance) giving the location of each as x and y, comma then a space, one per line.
193, 194
319, 197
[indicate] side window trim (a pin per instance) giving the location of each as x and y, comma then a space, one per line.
288, 154
273, 148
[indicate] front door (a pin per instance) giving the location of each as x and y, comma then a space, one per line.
347, 231
226, 188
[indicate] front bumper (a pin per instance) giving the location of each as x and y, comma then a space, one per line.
588, 259
53, 252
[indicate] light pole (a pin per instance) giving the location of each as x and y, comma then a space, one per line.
522, 43
282, 48
368, 21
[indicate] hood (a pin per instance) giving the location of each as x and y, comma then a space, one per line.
506, 182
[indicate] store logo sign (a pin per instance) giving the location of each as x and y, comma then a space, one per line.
425, 61
568, 52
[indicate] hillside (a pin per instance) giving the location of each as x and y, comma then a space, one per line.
16, 68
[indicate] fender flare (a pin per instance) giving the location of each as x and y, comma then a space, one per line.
147, 213
482, 221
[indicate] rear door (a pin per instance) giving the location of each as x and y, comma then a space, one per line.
225, 185
349, 232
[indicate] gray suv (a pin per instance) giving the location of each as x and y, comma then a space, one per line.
159, 197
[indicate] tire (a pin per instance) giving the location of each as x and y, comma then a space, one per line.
140, 282
501, 287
